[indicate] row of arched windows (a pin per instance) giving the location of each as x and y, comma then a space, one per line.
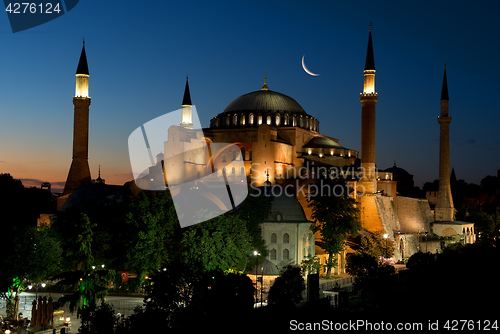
233, 170
273, 254
286, 238
307, 122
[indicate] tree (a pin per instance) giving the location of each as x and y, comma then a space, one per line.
336, 216
310, 265
89, 279
376, 245
150, 235
32, 255
288, 287
254, 218
221, 243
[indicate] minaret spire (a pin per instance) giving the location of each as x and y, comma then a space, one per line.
187, 108
79, 172
444, 210
368, 100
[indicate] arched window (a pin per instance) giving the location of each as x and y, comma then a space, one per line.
259, 120
242, 170
272, 254
286, 254
285, 122
250, 119
294, 121
224, 158
274, 238
301, 122
277, 120
268, 120
233, 171
242, 119
286, 238
235, 119
224, 170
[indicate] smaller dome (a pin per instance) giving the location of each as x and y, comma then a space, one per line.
396, 170
322, 142
266, 268
286, 208
95, 197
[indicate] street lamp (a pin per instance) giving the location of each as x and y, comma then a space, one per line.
257, 254
385, 237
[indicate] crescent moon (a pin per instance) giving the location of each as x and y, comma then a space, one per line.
305, 68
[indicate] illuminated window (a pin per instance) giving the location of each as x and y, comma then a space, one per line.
250, 119
242, 119
294, 121
285, 122
259, 119
235, 119
268, 120
278, 120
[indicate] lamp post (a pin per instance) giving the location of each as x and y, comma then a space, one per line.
385, 237
256, 273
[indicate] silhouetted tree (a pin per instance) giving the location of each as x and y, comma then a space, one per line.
336, 214
288, 287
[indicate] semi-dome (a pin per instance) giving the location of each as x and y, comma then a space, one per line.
265, 100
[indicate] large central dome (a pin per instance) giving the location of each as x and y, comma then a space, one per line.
264, 107
265, 100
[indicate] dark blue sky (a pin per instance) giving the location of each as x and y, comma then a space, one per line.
139, 54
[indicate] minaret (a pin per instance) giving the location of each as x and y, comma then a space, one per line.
444, 210
368, 101
187, 112
79, 172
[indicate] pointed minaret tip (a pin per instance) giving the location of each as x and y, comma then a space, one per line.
370, 60
186, 101
444, 89
83, 67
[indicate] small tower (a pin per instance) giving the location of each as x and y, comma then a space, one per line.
368, 102
444, 210
187, 112
79, 172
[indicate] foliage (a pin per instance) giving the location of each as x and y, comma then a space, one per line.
90, 284
221, 243
310, 265
150, 234
248, 212
376, 245
288, 287
336, 215
99, 320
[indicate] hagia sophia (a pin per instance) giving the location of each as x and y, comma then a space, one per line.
267, 138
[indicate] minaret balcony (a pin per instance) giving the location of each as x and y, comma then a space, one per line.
444, 120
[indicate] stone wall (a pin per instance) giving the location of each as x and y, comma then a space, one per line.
414, 215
